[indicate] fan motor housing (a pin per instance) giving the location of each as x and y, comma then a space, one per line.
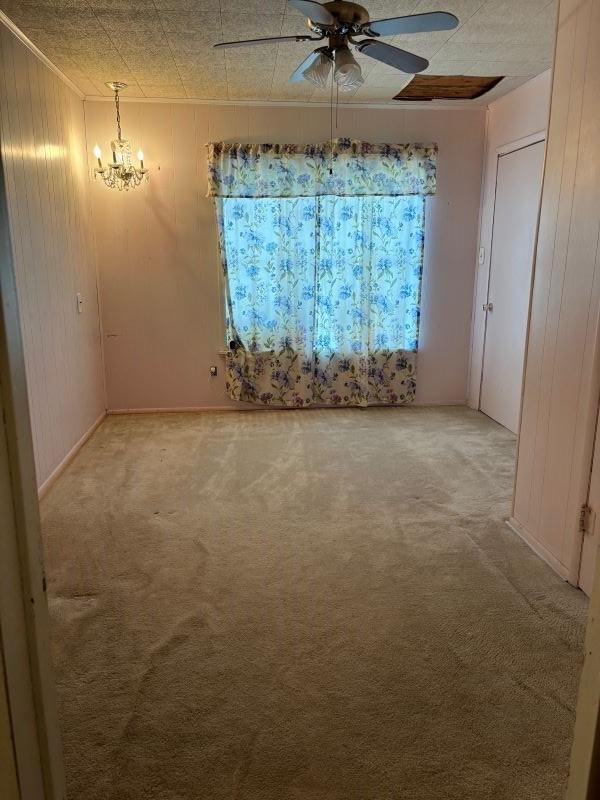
348, 17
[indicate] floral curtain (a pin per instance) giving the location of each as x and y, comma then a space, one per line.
322, 290
343, 167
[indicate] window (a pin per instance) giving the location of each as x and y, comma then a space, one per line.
325, 275
322, 252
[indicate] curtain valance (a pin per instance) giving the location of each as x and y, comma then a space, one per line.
345, 167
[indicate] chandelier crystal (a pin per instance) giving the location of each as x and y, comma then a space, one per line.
121, 173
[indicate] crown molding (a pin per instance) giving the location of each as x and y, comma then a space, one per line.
397, 105
18, 33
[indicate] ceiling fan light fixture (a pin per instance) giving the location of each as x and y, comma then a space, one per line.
347, 73
318, 72
350, 84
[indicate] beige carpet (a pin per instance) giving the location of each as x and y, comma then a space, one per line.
292, 605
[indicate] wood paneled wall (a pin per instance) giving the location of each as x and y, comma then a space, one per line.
157, 246
561, 377
43, 149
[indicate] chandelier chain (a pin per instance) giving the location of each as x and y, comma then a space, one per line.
118, 114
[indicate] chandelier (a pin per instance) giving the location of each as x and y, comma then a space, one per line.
121, 173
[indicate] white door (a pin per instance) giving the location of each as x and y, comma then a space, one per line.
518, 189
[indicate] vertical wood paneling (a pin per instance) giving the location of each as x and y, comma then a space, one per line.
43, 149
532, 445
581, 330
547, 303
561, 384
157, 246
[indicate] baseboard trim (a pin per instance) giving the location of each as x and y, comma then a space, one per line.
252, 407
57, 471
538, 548
182, 410
438, 404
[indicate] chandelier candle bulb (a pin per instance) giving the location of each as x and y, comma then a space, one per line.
98, 155
140, 155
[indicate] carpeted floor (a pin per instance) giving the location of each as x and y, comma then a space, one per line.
292, 605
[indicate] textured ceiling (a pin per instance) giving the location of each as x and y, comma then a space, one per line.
163, 48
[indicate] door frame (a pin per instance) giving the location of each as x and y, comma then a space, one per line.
505, 150
589, 520
584, 773
484, 269
31, 745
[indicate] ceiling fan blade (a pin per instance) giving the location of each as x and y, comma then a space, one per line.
298, 74
314, 11
414, 23
393, 56
269, 40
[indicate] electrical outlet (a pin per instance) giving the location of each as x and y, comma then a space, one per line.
213, 371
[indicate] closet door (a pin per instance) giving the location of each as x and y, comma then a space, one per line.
518, 187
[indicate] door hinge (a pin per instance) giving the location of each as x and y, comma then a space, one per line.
586, 519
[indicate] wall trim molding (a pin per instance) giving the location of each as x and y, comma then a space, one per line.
250, 407
520, 144
116, 412
441, 105
8, 23
539, 549
58, 470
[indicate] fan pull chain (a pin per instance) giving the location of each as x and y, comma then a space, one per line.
331, 127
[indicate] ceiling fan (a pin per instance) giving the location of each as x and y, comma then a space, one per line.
340, 22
